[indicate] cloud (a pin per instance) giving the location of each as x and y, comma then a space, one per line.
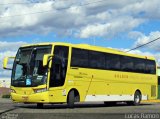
8, 49
109, 17
10, 46
110, 29
143, 8
135, 34
143, 39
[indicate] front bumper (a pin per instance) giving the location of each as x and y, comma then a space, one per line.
32, 98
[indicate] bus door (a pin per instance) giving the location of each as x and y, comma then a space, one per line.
58, 73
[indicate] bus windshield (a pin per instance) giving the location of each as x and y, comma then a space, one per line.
28, 70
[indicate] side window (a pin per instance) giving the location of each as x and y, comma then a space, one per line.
150, 67
59, 66
127, 64
112, 62
139, 65
79, 58
96, 60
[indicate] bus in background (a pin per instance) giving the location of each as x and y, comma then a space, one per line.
69, 73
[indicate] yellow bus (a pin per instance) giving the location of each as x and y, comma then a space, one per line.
69, 73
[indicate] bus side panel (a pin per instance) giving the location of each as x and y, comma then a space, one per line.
107, 84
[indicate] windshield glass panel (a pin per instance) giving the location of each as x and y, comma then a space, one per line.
28, 67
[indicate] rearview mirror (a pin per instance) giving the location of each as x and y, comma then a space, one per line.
6, 62
46, 59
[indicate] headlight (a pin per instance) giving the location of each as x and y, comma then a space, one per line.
12, 91
40, 90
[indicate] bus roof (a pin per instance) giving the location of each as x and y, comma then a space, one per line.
95, 48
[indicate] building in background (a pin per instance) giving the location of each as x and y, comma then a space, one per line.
4, 87
4, 83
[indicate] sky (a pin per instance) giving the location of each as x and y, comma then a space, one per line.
120, 24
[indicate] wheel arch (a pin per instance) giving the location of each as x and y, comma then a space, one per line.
76, 93
138, 90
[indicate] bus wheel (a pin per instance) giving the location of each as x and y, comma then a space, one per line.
71, 99
137, 99
40, 105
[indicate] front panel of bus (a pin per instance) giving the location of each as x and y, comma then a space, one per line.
34, 83
29, 76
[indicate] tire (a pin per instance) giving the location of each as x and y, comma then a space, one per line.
71, 99
137, 99
39, 105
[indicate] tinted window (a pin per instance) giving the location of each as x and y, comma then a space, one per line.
127, 64
79, 58
112, 62
96, 60
150, 67
99, 60
139, 65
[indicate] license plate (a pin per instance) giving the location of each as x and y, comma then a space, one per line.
25, 98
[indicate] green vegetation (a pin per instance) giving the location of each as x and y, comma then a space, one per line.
6, 96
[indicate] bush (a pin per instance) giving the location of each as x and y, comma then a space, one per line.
6, 96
